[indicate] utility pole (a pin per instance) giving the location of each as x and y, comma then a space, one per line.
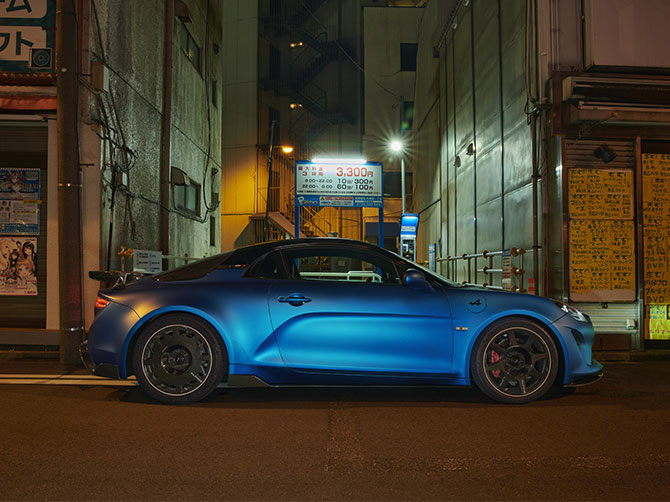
266, 227
70, 246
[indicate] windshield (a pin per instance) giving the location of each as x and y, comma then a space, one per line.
427, 272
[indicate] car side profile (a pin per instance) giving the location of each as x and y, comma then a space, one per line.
331, 311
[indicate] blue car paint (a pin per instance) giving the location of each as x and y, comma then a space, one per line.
254, 329
363, 327
223, 298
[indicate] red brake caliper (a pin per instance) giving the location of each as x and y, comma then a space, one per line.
494, 359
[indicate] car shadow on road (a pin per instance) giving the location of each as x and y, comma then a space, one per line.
323, 397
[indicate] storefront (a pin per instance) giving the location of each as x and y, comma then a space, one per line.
615, 163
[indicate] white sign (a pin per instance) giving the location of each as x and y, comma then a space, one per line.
339, 179
16, 41
24, 9
147, 261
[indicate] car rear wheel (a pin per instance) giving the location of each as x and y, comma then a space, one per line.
514, 361
179, 359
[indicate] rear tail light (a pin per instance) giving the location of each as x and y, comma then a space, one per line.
100, 303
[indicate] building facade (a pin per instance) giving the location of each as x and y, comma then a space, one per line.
313, 69
147, 111
546, 128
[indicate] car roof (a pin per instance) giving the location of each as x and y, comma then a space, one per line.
243, 256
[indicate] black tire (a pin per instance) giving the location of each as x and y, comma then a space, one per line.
179, 359
514, 360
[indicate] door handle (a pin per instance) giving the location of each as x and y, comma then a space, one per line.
296, 299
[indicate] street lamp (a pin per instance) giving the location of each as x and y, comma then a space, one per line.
397, 146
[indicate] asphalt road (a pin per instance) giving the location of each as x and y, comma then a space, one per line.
607, 441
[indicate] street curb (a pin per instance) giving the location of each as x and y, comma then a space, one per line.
13, 355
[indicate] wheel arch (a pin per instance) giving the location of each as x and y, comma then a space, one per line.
546, 325
125, 364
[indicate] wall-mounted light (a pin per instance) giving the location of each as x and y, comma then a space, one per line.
293, 106
287, 149
293, 45
604, 153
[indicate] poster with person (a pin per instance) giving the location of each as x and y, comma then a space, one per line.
18, 266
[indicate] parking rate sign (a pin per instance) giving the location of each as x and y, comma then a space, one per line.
339, 184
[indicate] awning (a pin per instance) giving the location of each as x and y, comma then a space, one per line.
27, 102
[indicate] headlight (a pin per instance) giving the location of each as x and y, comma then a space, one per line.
573, 312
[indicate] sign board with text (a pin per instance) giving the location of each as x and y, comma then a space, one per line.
339, 184
27, 36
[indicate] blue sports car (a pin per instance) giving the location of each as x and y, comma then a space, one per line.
331, 312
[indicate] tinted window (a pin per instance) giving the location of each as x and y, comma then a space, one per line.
233, 259
268, 267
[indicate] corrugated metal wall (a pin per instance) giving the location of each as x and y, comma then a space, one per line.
487, 166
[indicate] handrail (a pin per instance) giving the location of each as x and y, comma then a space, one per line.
488, 269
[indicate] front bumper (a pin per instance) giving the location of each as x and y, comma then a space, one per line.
586, 379
102, 370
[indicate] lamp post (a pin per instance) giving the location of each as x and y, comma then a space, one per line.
397, 146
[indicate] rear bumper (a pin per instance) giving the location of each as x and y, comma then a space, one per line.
102, 370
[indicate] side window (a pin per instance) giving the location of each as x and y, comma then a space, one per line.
326, 265
267, 267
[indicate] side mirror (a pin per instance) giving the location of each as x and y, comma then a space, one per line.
414, 279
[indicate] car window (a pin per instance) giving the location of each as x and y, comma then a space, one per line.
267, 267
341, 265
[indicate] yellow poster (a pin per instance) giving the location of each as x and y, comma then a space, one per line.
656, 242
600, 194
659, 324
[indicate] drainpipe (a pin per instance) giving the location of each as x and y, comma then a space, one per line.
69, 186
166, 131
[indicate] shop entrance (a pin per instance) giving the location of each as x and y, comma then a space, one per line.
23, 218
656, 242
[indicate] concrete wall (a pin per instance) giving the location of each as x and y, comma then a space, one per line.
240, 178
384, 29
128, 114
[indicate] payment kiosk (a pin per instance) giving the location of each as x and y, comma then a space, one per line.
408, 226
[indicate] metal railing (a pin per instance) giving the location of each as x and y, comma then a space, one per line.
473, 267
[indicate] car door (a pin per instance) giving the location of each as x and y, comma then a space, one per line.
348, 311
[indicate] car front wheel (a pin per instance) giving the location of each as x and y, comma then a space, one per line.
179, 359
514, 361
